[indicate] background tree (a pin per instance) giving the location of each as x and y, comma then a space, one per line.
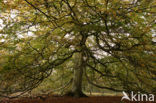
109, 41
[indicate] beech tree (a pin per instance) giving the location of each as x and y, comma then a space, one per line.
107, 42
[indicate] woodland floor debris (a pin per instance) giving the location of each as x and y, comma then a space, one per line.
51, 99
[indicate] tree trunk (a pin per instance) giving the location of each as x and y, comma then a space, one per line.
80, 65
76, 90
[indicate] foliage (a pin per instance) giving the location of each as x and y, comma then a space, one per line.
40, 37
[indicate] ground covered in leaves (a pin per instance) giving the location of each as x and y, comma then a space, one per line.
51, 99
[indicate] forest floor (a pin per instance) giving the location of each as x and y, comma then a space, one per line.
51, 99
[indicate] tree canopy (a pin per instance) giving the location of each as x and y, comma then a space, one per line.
108, 42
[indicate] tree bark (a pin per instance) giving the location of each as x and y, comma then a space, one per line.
76, 90
80, 65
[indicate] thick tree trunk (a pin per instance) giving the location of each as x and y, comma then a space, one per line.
76, 90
